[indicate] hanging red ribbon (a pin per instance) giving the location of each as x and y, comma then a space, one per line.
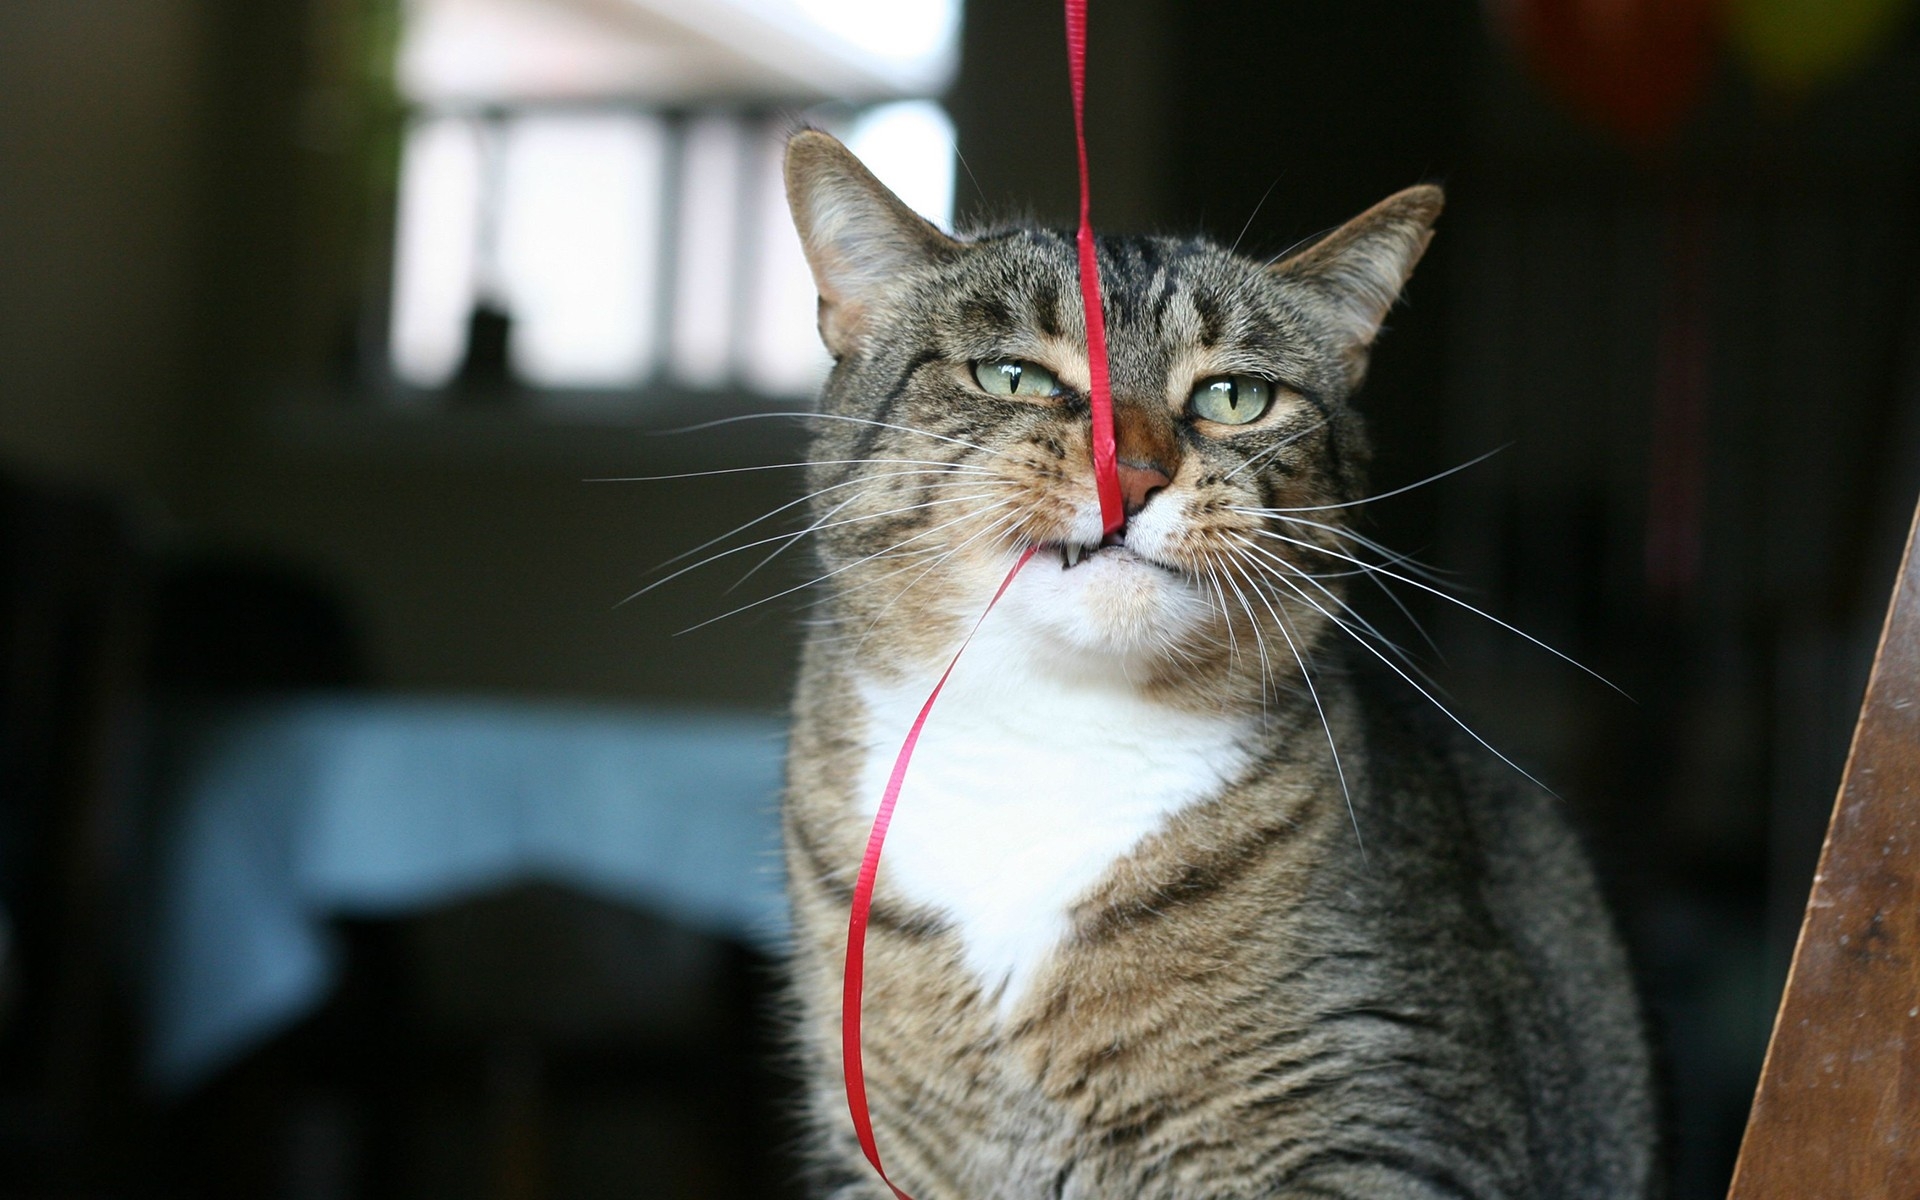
854, 978
1112, 516
1106, 474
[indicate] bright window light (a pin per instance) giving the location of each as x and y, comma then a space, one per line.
626, 240
438, 230
580, 209
909, 146
560, 218
901, 31
713, 170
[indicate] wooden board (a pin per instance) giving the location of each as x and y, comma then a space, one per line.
1837, 1114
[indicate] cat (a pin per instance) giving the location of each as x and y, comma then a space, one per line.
1186, 895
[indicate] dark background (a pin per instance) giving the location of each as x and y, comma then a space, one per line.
1699, 358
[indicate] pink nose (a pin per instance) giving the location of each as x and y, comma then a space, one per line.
1138, 483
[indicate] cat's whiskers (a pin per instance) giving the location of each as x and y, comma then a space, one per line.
766, 541
816, 526
825, 416
1409, 679
1342, 533
1373, 576
1313, 692
1258, 205
791, 504
869, 625
788, 466
1367, 569
1226, 612
991, 478
914, 556
1399, 491
844, 567
1004, 523
1377, 569
1270, 451
1354, 624
1293, 571
793, 538
1269, 680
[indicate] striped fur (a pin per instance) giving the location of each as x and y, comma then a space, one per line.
1380, 974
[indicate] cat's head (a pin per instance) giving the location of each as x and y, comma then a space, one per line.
956, 428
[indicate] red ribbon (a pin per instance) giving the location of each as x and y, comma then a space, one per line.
1112, 516
1106, 474
855, 976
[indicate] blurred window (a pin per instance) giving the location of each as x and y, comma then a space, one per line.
590, 192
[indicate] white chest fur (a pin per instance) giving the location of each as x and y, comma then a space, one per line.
1024, 789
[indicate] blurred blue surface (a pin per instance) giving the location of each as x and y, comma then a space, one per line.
288, 813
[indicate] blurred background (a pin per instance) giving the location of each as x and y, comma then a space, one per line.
366, 830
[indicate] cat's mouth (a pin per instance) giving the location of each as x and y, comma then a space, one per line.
1113, 545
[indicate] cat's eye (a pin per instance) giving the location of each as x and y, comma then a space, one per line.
1231, 399
1012, 377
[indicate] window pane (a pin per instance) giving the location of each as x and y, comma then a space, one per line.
438, 229
580, 206
707, 290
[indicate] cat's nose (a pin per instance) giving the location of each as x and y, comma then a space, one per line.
1138, 482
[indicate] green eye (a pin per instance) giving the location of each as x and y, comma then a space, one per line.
1231, 399
1011, 377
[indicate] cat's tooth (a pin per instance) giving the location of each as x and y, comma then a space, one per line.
1071, 554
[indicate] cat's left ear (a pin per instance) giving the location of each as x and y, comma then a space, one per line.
860, 239
1357, 271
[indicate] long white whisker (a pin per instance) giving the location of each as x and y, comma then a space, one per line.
1272, 450
1313, 692
820, 416
1226, 614
932, 529
1359, 539
1452, 599
787, 466
795, 503
1415, 685
1338, 600
794, 539
1259, 639
1435, 478
1354, 624
1373, 577
1004, 522
780, 537
920, 489
1234, 249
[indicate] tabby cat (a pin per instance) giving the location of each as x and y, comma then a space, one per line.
1187, 895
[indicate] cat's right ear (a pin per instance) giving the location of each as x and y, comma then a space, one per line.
858, 236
